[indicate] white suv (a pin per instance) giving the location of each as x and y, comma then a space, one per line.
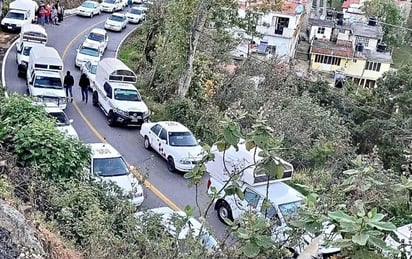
108, 164
174, 142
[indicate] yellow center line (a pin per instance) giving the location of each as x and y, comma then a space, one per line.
148, 185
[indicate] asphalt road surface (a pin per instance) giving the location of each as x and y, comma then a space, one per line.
90, 122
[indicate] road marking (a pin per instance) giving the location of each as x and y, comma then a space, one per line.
147, 184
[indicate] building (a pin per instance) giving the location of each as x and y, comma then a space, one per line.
278, 30
350, 47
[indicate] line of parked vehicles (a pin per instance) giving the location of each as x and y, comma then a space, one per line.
113, 87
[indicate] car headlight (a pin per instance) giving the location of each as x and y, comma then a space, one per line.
185, 162
146, 114
121, 112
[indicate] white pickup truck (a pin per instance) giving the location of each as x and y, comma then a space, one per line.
44, 77
115, 93
20, 12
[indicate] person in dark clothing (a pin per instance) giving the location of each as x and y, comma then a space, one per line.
60, 12
68, 84
84, 83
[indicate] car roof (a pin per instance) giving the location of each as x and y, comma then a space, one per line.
98, 30
91, 44
279, 193
118, 14
173, 126
103, 150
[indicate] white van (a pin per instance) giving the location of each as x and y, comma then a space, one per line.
30, 35
20, 12
115, 92
44, 77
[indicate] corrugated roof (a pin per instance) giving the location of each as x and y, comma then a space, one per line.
331, 49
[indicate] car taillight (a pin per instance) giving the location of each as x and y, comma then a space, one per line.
209, 182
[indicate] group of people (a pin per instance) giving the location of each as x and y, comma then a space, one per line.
50, 13
84, 84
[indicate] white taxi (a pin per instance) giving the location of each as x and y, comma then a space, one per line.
116, 22
63, 123
98, 35
174, 142
88, 51
89, 8
108, 164
89, 68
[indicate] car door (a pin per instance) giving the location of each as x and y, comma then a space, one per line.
154, 135
106, 96
163, 142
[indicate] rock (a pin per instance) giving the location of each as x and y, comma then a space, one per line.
8, 249
21, 233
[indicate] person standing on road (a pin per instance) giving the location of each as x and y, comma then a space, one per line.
48, 12
42, 15
53, 15
68, 84
60, 12
84, 83
130, 3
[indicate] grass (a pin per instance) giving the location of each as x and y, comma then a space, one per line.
402, 56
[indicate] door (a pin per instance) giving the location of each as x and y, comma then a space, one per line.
162, 142
106, 96
154, 136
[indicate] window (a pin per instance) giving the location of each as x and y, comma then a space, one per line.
270, 212
327, 60
281, 24
156, 128
321, 30
108, 90
363, 40
374, 66
163, 135
252, 198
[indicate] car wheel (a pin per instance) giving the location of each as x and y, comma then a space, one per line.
99, 13
171, 164
111, 119
95, 99
113, 10
224, 212
147, 143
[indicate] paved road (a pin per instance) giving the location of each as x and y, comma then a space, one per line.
90, 122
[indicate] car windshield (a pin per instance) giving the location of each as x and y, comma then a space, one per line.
289, 210
109, 1
48, 82
182, 139
16, 16
88, 5
26, 51
135, 11
143, 5
127, 95
89, 51
112, 166
116, 18
61, 118
96, 37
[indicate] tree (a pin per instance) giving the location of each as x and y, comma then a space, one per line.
389, 13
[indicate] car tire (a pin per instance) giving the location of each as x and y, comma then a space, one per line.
99, 13
224, 212
147, 143
113, 10
111, 119
95, 99
171, 164
91, 15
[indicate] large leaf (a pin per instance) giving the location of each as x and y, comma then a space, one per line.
264, 241
360, 238
230, 137
250, 249
243, 233
379, 243
382, 225
341, 216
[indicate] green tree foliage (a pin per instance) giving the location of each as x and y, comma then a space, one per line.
389, 12
38, 143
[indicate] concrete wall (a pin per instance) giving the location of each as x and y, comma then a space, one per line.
314, 33
356, 69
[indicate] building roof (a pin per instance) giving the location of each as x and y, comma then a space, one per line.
365, 30
347, 3
373, 55
288, 6
331, 49
323, 23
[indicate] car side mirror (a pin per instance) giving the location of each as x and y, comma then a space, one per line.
199, 140
19, 51
71, 121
